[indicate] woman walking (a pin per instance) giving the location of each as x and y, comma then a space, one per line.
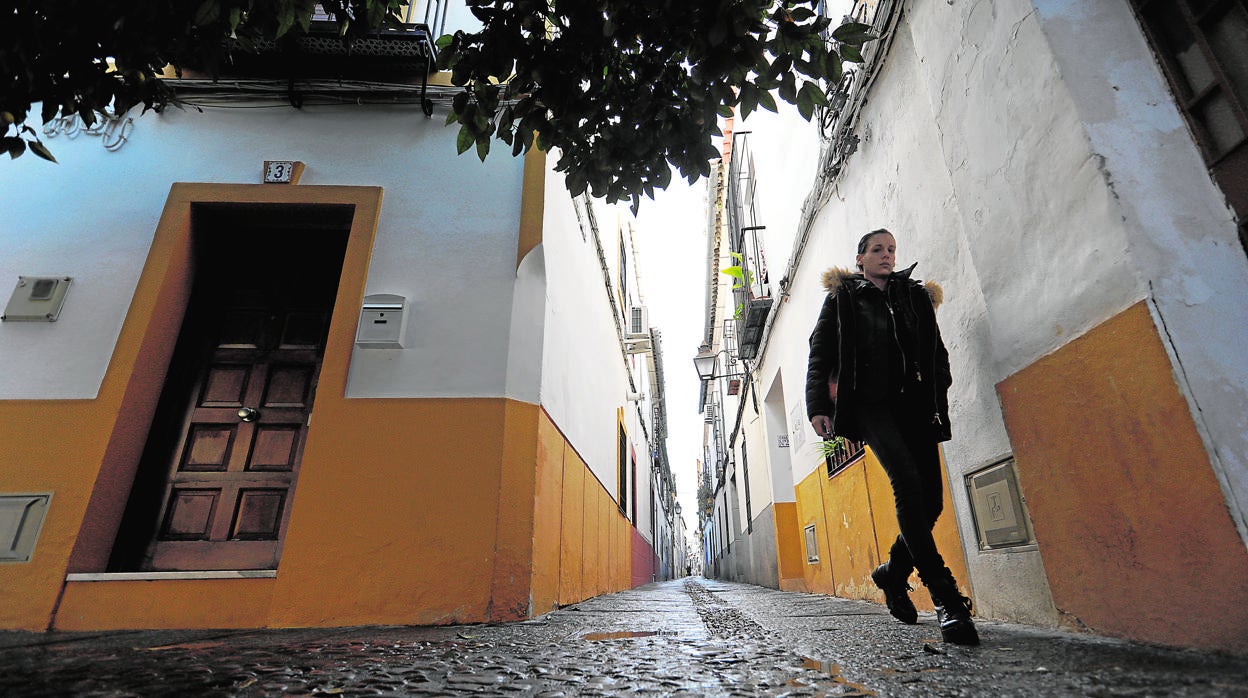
879, 373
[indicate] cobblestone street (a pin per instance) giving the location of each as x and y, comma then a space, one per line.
692, 637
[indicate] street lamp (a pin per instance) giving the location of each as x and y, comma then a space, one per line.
706, 363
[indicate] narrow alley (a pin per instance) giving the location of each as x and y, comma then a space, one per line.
692, 637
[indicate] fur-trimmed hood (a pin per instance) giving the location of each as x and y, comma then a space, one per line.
835, 276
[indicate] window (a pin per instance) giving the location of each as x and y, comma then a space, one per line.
623, 270
1203, 48
622, 459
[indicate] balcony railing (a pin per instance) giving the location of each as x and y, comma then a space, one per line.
845, 452
752, 294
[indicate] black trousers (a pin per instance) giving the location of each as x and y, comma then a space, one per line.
896, 431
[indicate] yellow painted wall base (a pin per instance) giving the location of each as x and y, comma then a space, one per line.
789, 547
1129, 516
165, 604
512, 530
855, 525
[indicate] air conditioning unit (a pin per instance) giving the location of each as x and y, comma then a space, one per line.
638, 320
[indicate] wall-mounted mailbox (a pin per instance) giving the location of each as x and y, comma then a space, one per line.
37, 299
997, 506
383, 320
21, 518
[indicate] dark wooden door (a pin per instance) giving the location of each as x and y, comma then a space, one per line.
232, 475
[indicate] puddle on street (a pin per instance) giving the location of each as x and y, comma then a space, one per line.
834, 670
184, 646
593, 637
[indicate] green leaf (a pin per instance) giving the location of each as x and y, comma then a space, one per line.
788, 88
483, 147
465, 139
748, 99
718, 32
39, 149
766, 101
815, 93
481, 119
663, 176
831, 448
576, 183
207, 13
14, 146
853, 54
459, 103
854, 33
444, 41
835, 69
805, 105
285, 22
780, 65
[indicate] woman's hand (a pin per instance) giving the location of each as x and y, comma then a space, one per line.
822, 424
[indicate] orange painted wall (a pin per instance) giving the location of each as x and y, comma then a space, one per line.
810, 510
446, 537
592, 546
856, 523
602, 572
621, 545
166, 604
884, 513
851, 532
1129, 516
789, 547
49, 447
510, 594
548, 516
589, 537
572, 531
399, 528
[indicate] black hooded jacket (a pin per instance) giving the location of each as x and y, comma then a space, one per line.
870, 341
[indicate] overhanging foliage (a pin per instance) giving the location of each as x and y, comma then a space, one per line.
91, 57
627, 89
624, 89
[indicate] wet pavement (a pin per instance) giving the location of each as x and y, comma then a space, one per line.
693, 637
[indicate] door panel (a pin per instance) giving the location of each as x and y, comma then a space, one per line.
231, 479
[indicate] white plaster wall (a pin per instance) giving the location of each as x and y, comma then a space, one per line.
584, 379
902, 178
1182, 237
528, 317
785, 149
1041, 226
776, 426
445, 239
786, 155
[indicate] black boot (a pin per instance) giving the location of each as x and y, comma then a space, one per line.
953, 613
899, 603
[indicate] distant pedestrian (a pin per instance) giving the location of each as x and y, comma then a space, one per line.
879, 372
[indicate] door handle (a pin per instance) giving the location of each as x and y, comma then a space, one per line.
249, 414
